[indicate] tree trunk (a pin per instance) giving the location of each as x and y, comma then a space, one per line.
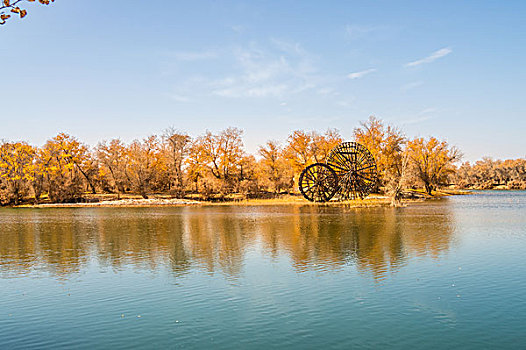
429, 188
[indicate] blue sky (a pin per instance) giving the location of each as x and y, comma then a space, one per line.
100, 69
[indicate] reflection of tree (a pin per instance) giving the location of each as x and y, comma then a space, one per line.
143, 239
31, 239
63, 241
374, 239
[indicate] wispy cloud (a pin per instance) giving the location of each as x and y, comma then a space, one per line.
326, 91
411, 86
195, 55
237, 28
354, 31
361, 74
179, 98
259, 91
421, 116
277, 69
285, 69
434, 56
369, 32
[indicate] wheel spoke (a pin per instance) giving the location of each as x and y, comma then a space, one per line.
363, 177
367, 167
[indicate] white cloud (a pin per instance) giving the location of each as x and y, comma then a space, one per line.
434, 56
361, 74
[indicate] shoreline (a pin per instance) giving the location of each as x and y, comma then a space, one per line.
133, 201
149, 203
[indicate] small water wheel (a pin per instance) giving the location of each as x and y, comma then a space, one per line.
318, 182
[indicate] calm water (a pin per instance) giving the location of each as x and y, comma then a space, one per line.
444, 274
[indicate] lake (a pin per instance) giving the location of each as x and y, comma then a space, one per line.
448, 273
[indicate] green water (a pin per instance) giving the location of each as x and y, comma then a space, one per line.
439, 275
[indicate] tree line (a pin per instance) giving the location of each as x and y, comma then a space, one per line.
216, 165
489, 174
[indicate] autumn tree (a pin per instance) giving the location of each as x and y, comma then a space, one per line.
248, 176
176, 146
397, 177
113, 160
231, 152
322, 144
273, 168
433, 160
13, 6
16, 159
298, 150
219, 155
78, 154
385, 142
144, 164
304, 148
195, 166
36, 172
67, 165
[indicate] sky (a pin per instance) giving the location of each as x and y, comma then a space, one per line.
129, 69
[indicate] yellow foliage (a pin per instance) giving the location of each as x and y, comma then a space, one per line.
8, 5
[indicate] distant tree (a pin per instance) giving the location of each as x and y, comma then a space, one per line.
488, 173
11, 6
433, 160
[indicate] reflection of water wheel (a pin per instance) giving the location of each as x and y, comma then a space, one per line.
318, 182
356, 169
